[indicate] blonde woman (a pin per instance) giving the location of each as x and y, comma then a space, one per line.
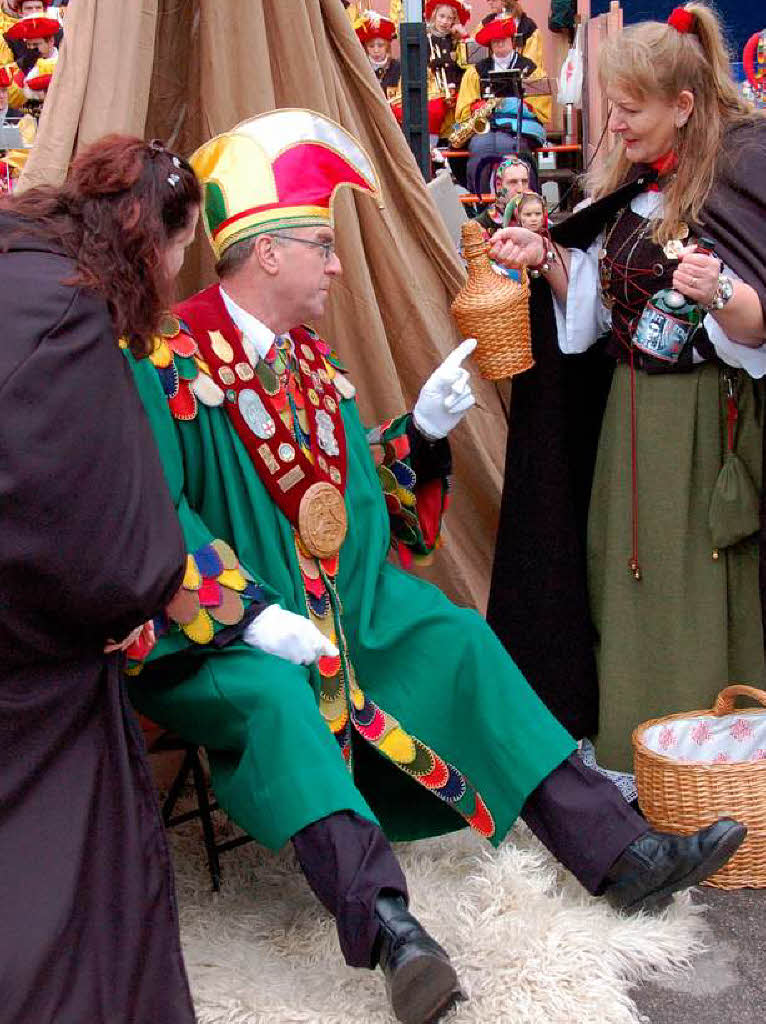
673, 540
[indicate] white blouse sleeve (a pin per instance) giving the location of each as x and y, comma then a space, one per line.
584, 318
751, 360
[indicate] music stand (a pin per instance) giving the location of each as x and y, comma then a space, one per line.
515, 84
509, 85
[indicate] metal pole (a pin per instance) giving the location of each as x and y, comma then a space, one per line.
414, 45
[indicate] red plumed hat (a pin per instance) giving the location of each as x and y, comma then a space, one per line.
40, 82
498, 28
463, 10
33, 27
372, 25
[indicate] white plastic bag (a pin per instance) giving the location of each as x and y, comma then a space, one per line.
571, 76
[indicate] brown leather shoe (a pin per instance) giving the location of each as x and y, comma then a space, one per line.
421, 982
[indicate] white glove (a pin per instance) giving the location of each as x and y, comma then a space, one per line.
289, 636
446, 396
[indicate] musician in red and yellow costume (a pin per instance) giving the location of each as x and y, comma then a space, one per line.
9, 15
375, 33
39, 36
500, 35
445, 25
343, 702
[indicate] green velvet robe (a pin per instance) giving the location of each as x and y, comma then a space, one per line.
454, 734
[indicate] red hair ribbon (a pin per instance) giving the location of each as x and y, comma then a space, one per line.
681, 20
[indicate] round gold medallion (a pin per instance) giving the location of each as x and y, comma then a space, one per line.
322, 520
170, 326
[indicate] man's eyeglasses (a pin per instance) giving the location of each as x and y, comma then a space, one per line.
327, 247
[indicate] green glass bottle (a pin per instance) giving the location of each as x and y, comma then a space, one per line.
669, 320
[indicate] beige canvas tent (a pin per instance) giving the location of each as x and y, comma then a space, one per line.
183, 70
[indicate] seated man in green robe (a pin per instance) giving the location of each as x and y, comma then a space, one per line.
343, 702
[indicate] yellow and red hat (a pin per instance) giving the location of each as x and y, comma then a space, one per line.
33, 26
462, 9
372, 25
41, 75
498, 28
277, 170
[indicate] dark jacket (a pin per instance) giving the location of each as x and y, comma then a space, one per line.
390, 76
90, 547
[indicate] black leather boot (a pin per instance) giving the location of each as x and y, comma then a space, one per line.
421, 982
657, 864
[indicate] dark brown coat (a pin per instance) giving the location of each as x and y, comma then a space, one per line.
90, 547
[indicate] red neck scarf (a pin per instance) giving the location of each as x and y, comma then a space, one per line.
664, 166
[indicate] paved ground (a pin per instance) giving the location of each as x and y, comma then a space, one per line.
726, 985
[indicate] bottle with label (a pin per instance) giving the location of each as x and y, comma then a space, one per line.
669, 320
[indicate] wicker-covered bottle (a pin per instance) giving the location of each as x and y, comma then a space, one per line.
494, 310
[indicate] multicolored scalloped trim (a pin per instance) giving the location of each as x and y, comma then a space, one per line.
344, 706
399, 484
183, 373
407, 752
213, 592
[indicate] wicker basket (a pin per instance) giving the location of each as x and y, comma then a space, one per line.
683, 796
494, 310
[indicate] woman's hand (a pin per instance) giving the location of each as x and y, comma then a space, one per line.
696, 276
145, 634
517, 248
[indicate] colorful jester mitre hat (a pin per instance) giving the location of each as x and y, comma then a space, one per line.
277, 170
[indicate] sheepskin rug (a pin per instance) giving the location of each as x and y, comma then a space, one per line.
529, 944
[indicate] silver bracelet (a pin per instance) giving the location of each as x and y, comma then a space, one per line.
723, 294
549, 258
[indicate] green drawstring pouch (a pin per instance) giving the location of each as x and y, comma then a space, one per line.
734, 506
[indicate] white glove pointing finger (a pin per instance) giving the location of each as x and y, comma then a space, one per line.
433, 415
460, 403
461, 382
451, 366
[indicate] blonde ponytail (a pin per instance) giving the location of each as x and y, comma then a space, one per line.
654, 59
707, 29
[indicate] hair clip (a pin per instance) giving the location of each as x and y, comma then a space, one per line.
173, 180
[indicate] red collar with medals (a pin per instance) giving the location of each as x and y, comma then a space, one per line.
309, 494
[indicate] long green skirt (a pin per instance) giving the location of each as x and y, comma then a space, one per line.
692, 624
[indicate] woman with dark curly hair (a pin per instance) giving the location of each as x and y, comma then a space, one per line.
90, 548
